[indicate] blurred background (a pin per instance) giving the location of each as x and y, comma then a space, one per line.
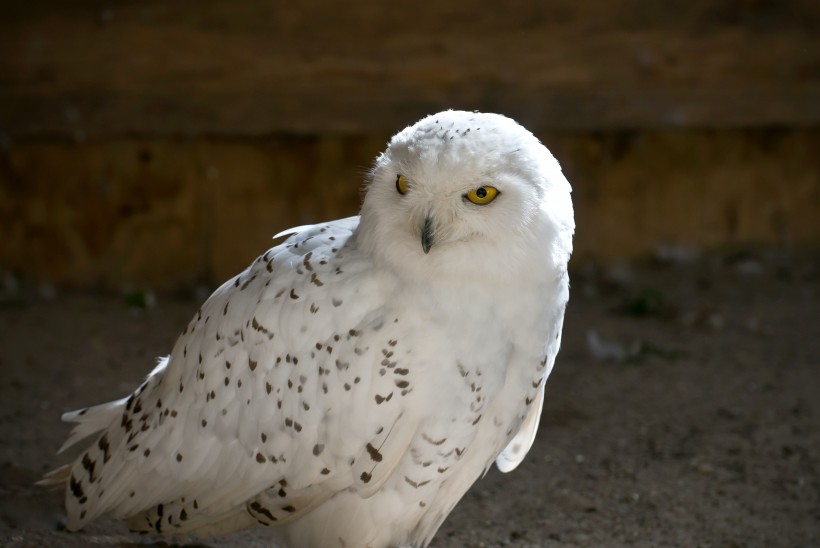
162, 144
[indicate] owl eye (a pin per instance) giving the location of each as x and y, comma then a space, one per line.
401, 184
482, 195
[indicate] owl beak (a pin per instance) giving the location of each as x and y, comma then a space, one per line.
427, 234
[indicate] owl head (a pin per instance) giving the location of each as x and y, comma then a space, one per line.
467, 191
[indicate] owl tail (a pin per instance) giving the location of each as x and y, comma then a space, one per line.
57, 477
89, 421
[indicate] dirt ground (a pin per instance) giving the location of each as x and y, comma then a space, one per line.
684, 409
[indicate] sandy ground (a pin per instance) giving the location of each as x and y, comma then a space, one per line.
684, 410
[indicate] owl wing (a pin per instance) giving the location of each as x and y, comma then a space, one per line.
519, 446
515, 451
280, 392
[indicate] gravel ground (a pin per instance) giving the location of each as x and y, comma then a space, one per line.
684, 409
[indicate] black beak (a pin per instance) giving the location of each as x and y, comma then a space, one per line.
427, 235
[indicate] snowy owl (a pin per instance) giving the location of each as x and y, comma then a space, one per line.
350, 386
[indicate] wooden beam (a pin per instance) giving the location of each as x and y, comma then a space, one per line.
250, 68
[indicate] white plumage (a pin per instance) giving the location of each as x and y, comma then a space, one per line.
351, 384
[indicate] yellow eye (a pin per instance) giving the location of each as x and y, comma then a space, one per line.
482, 195
401, 184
